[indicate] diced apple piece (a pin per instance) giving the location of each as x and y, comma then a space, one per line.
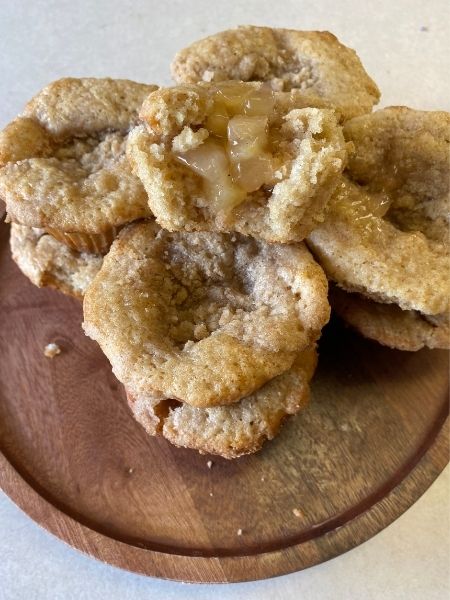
252, 166
225, 195
260, 102
362, 207
252, 173
247, 137
233, 95
210, 161
217, 120
377, 204
242, 98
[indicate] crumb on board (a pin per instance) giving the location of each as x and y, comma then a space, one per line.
51, 350
297, 512
239, 531
130, 470
211, 494
209, 464
262, 479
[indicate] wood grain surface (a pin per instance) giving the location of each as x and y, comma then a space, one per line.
373, 439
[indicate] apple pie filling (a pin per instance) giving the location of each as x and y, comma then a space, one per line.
235, 156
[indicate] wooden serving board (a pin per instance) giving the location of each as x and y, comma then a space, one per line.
371, 442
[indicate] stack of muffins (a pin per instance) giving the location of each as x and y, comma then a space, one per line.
200, 224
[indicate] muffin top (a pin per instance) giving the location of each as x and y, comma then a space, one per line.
237, 157
386, 231
314, 62
204, 318
63, 162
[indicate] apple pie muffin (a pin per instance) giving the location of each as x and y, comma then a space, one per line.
203, 318
386, 234
234, 430
237, 157
63, 166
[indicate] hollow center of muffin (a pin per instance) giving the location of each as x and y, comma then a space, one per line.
235, 159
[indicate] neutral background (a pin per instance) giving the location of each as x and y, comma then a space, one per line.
404, 46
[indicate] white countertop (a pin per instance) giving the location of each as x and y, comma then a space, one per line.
404, 47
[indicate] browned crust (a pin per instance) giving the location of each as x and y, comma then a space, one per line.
47, 262
388, 324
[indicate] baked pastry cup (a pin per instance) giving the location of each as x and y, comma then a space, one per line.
234, 430
388, 324
313, 62
63, 162
386, 232
237, 157
203, 318
47, 262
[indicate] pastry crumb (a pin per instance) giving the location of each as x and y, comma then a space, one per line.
211, 494
189, 139
209, 464
51, 350
262, 479
297, 512
208, 76
239, 531
130, 470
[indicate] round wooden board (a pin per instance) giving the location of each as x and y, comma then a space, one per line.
372, 440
